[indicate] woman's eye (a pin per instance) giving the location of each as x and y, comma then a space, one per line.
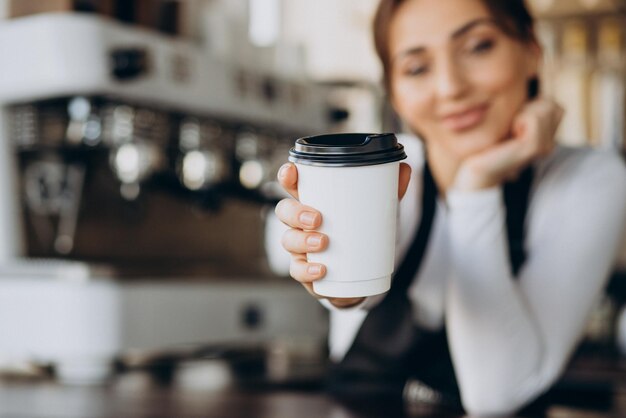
415, 70
482, 47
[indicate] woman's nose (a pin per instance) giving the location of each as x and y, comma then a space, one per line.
450, 80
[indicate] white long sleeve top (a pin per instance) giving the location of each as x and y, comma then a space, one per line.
509, 339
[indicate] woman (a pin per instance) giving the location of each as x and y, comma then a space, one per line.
462, 74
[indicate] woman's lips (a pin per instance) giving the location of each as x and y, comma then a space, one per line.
465, 119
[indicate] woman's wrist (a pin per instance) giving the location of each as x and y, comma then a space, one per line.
469, 178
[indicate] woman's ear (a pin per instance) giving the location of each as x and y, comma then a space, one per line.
534, 58
532, 63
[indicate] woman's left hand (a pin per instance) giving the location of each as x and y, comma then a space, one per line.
533, 136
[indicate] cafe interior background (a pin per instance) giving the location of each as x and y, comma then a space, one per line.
139, 146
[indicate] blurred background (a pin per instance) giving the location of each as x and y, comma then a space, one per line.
139, 143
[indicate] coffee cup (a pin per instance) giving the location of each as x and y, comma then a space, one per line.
352, 179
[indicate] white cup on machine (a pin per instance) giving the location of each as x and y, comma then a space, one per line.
352, 180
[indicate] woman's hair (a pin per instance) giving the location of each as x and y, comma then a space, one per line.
511, 16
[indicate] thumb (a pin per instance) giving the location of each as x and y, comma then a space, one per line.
520, 126
403, 180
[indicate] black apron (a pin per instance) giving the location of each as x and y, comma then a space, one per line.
389, 348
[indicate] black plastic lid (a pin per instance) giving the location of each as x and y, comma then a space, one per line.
347, 150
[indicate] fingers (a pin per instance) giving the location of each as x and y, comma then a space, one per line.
288, 179
552, 116
296, 215
341, 303
536, 127
305, 272
403, 181
296, 241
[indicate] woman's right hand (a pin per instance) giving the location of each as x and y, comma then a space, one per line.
303, 237
533, 136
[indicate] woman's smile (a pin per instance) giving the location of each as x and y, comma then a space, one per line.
465, 119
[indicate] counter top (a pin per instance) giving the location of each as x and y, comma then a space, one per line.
204, 390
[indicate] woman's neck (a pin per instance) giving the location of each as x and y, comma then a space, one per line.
443, 167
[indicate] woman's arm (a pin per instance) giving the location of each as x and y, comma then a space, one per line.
511, 338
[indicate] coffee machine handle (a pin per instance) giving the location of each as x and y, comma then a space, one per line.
68, 216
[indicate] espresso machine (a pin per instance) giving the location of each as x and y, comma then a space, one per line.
134, 169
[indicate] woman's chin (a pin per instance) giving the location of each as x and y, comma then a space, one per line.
467, 144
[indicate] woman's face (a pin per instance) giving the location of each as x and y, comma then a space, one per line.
456, 78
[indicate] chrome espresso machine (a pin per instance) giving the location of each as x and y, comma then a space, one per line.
134, 171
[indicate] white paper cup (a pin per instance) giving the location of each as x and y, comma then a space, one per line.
358, 199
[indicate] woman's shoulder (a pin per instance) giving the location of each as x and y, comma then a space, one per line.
583, 169
583, 160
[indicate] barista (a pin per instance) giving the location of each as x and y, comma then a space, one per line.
505, 239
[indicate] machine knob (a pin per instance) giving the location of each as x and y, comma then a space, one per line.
128, 63
336, 114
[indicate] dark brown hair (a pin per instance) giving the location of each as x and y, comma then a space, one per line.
511, 16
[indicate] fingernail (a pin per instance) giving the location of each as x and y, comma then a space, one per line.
307, 218
283, 171
314, 269
314, 241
